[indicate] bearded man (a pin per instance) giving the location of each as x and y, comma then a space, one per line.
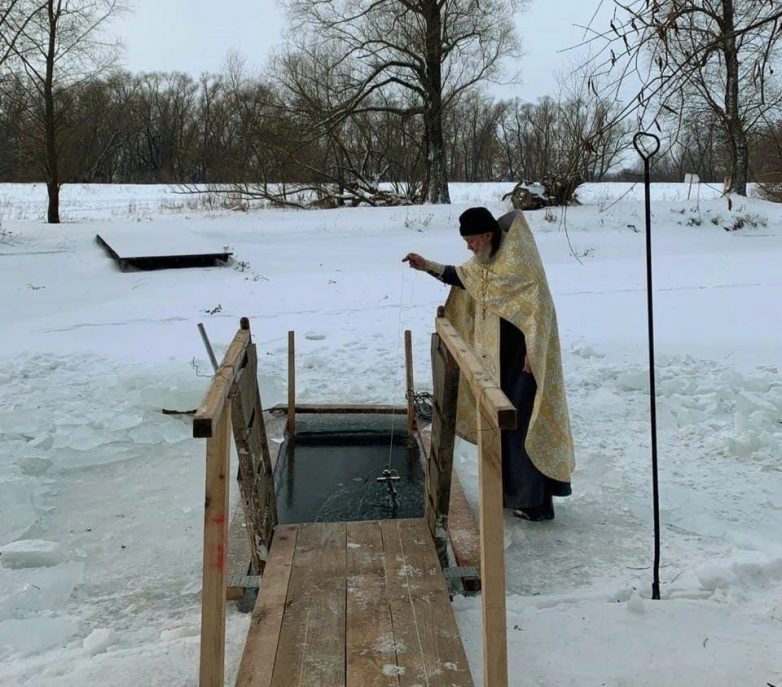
501, 305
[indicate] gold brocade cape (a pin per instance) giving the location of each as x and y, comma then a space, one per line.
513, 285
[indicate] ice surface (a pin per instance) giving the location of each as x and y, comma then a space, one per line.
43, 441
120, 420
38, 589
273, 390
34, 465
184, 396
32, 635
147, 433
68, 459
634, 381
174, 430
99, 640
180, 632
192, 587
23, 421
17, 513
81, 438
30, 553
584, 350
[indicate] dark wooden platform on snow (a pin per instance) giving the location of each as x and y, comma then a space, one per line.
129, 256
354, 605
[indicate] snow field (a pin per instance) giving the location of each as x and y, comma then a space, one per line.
101, 494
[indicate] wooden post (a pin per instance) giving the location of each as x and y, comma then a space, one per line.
494, 412
291, 385
439, 469
495, 645
212, 669
410, 387
213, 422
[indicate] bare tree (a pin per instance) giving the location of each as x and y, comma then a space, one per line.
96, 126
410, 57
701, 146
595, 140
268, 131
14, 17
58, 46
561, 143
472, 127
691, 55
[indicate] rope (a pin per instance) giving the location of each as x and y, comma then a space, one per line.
390, 475
422, 404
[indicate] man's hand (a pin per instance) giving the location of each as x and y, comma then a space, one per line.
527, 367
416, 261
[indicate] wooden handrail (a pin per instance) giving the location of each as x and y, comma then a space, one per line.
211, 407
488, 394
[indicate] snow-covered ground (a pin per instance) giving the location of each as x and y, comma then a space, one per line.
101, 494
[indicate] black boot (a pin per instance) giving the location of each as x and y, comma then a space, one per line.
545, 511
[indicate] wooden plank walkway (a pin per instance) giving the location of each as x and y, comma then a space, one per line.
358, 604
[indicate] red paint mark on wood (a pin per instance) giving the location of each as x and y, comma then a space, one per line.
217, 519
218, 561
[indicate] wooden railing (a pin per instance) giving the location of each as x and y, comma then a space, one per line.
293, 407
232, 401
450, 356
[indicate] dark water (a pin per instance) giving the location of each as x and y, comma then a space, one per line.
330, 476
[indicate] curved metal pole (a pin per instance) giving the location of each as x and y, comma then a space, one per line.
647, 146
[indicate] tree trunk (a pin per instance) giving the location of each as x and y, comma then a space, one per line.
437, 173
436, 182
50, 124
739, 162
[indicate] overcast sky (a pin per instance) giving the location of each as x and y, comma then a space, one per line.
195, 36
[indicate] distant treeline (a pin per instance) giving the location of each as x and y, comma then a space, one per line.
173, 128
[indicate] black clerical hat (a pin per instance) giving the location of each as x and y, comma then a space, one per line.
477, 221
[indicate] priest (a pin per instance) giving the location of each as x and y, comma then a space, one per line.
501, 305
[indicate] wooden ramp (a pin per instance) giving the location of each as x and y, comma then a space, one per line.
358, 604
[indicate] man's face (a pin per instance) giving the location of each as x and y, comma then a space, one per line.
478, 243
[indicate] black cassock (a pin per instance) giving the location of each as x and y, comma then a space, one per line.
523, 485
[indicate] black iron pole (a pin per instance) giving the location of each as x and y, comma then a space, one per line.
646, 153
